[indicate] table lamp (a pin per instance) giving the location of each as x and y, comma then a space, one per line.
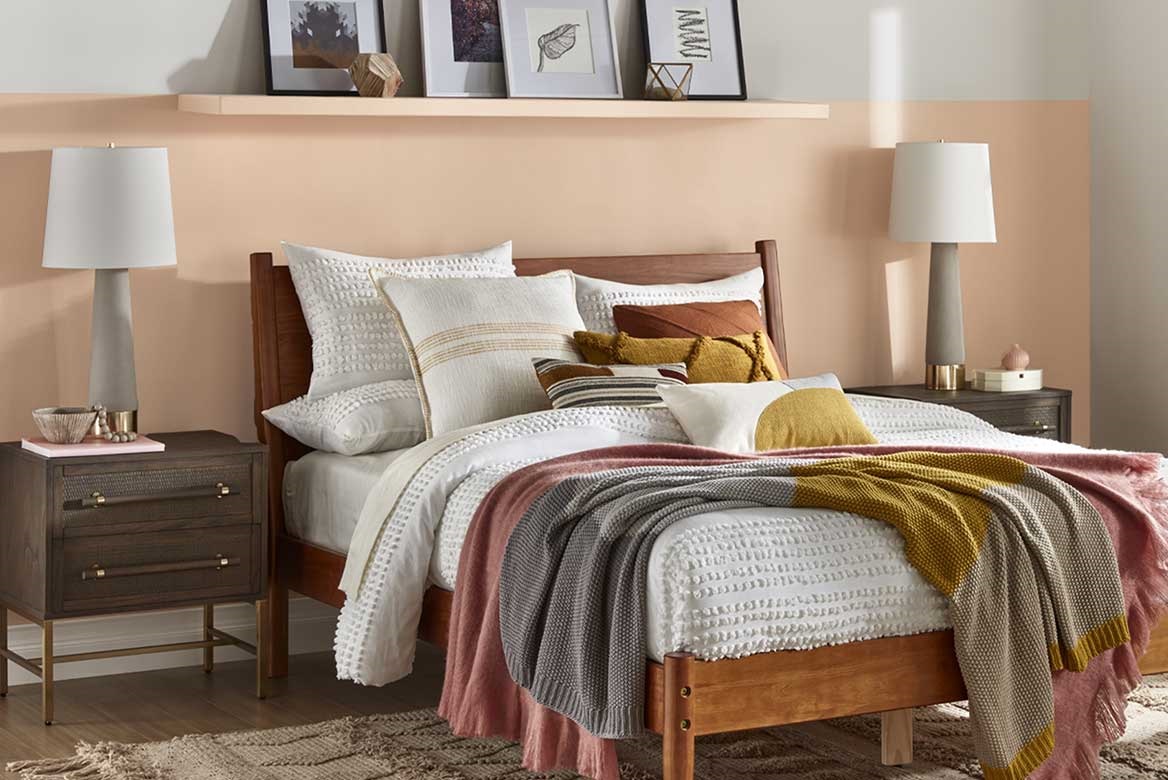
941, 193
109, 210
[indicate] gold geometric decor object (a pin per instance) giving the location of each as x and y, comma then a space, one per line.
668, 80
375, 75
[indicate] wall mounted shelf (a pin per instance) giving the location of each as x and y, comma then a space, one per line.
281, 105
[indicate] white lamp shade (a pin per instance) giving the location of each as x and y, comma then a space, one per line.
941, 192
109, 208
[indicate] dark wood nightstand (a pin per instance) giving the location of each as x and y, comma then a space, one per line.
106, 535
1045, 413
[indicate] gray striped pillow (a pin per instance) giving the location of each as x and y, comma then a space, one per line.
569, 384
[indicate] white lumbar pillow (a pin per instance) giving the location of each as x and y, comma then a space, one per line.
379, 417
472, 341
729, 417
354, 341
596, 297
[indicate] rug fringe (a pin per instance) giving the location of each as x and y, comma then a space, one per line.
103, 761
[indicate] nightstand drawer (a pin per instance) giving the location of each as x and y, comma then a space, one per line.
154, 569
1027, 420
99, 501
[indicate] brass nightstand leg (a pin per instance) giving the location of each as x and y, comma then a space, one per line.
47, 671
3, 646
208, 636
262, 640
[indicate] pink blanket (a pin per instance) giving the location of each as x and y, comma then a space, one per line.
480, 699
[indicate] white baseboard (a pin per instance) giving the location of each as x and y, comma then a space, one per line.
311, 626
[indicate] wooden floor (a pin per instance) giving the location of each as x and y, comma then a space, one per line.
152, 706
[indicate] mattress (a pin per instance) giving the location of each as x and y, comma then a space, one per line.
722, 584
728, 584
840, 578
324, 493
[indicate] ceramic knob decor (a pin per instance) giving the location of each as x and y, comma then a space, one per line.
1016, 359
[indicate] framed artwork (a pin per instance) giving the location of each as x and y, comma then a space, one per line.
311, 43
704, 33
462, 48
560, 49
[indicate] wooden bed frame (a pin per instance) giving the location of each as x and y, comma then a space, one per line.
686, 697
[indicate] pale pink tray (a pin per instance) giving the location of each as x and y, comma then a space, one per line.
92, 446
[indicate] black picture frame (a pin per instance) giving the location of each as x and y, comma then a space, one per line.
741, 93
268, 75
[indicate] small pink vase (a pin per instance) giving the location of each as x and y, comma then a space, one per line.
1016, 359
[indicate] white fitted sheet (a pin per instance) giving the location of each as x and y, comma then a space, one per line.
323, 496
324, 493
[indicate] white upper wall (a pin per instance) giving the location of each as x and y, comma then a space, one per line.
795, 49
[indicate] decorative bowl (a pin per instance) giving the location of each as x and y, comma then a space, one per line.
64, 424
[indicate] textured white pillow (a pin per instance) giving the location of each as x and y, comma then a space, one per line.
354, 341
379, 417
596, 297
472, 342
724, 416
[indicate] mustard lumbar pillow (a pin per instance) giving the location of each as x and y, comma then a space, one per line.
766, 416
745, 358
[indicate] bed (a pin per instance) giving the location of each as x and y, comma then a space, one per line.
687, 697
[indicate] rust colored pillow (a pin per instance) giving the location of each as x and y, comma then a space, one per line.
691, 320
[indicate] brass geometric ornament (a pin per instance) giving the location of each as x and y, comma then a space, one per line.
668, 80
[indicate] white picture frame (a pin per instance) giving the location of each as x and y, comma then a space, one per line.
442, 74
577, 57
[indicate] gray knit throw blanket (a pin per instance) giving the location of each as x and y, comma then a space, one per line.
1025, 560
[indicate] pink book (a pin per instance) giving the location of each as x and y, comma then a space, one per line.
92, 446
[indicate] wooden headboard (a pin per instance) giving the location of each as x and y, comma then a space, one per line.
283, 348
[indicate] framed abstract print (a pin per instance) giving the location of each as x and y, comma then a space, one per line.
560, 49
704, 33
311, 43
462, 48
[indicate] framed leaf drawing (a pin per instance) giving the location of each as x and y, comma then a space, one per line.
462, 48
704, 33
560, 49
310, 44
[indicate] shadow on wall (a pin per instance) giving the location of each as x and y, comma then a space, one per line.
235, 61
173, 332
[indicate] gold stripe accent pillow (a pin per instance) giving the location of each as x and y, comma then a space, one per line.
766, 416
471, 342
745, 358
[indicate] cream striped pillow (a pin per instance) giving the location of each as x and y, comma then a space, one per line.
471, 342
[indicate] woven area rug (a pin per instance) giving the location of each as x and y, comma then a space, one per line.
418, 746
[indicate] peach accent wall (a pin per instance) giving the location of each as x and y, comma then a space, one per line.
854, 300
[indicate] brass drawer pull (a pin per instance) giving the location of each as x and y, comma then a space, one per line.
98, 499
98, 572
1036, 428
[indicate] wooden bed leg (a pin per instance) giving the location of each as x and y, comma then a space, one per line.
677, 750
276, 649
896, 737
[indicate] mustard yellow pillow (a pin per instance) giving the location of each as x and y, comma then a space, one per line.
766, 416
745, 358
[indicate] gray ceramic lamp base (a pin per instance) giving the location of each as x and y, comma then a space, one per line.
945, 338
112, 379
